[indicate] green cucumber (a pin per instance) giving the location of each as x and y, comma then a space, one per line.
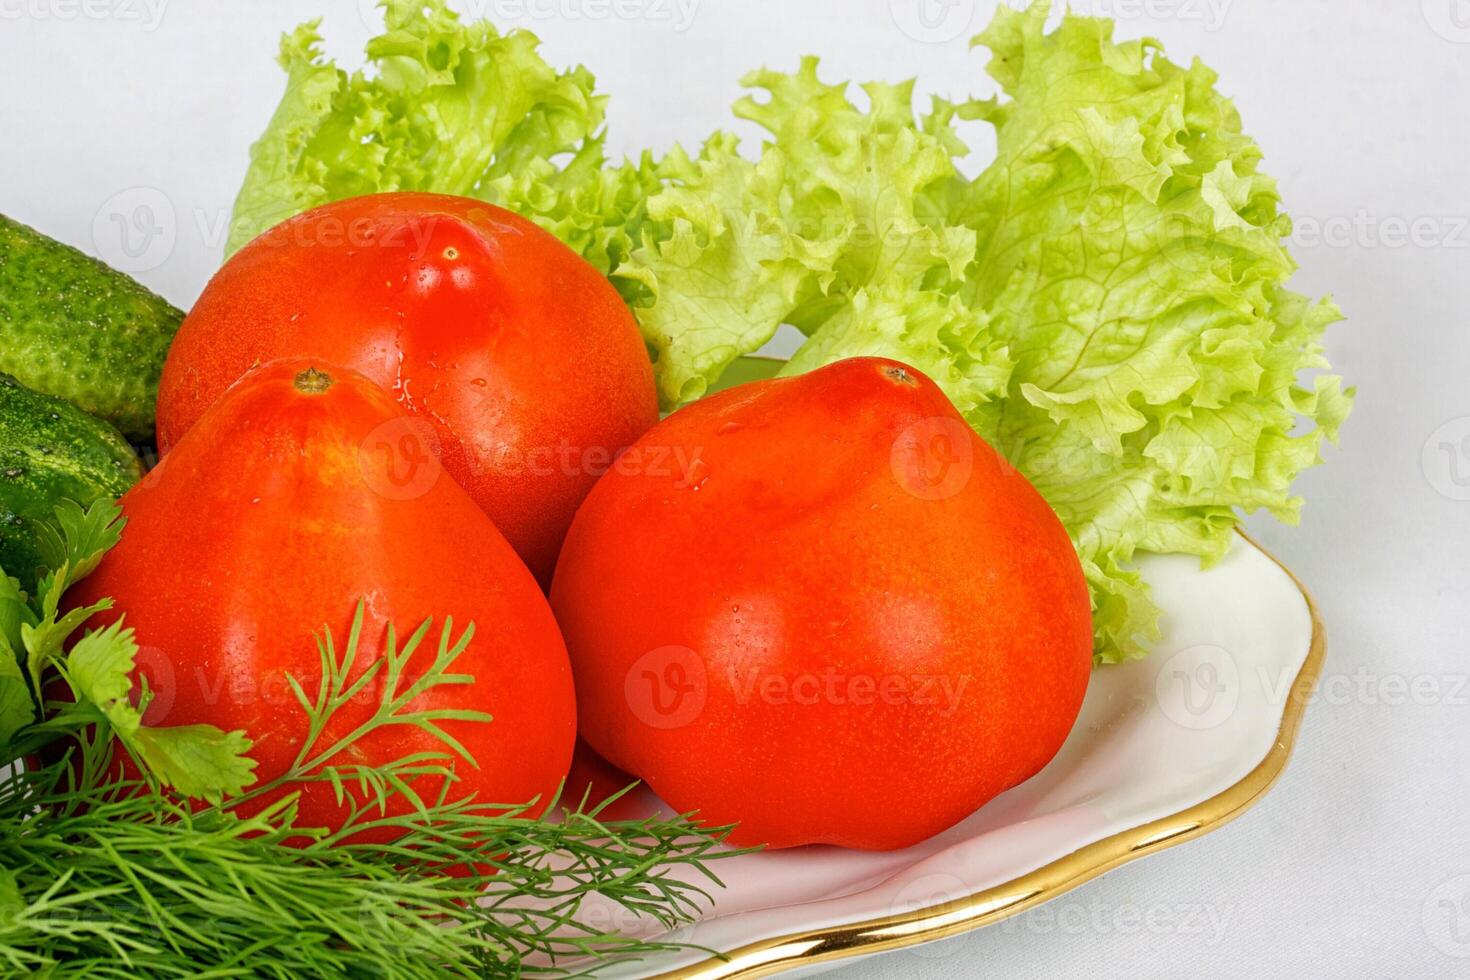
51, 450
71, 326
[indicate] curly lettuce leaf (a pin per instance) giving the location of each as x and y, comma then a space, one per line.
1133, 261
831, 229
446, 107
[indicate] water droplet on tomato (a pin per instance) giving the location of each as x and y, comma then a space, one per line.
697, 475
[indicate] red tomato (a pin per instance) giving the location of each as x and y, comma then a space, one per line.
268, 523
825, 609
523, 359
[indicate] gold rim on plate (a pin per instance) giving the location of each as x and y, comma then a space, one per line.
890, 932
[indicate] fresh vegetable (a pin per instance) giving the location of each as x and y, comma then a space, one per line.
452, 108
841, 618
296, 496
1106, 302
138, 885
53, 689
51, 451
72, 327
519, 356
101, 878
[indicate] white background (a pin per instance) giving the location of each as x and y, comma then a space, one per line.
1352, 866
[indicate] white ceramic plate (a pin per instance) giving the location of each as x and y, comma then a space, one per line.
1166, 749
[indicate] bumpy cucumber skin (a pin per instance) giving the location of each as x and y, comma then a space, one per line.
50, 449
71, 326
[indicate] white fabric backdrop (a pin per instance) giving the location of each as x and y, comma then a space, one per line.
1358, 864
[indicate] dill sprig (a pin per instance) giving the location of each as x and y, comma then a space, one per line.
173, 875
136, 885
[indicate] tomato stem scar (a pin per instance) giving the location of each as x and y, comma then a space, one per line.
313, 382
